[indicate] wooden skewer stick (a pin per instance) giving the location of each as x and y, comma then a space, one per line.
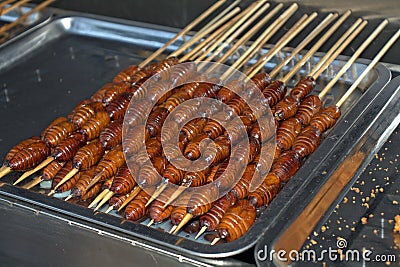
14, 6
150, 223
184, 221
105, 199
69, 197
159, 190
173, 229
337, 48
37, 168
243, 27
109, 209
356, 54
182, 32
33, 183
202, 34
132, 195
63, 180
263, 38
174, 195
25, 15
202, 230
95, 179
316, 46
328, 19
7, 2
215, 241
98, 198
294, 31
369, 68
247, 13
5, 171
246, 37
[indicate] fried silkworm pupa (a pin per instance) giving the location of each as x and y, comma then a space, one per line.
50, 171
262, 133
68, 166
88, 155
126, 75
169, 131
268, 189
158, 92
235, 129
212, 218
286, 108
195, 179
208, 89
54, 134
157, 212
80, 186
133, 140
68, 185
184, 113
193, 128
242, 187
82, 114
163, 70
21, 145
237, 220
326, 119
173, 175
227, 92
141, 75
190, 88
303, 88
214, 128
67, 149
286, 165
92, 192
124, 181
109, 164
192, 150
287, 132
156, 120
237, 104
111, 136
137, 113
274, 92
115, 90
182, 73
99, 94
93, 127
221, 149
116, 201
29, 156
117, 108
201, 201
261, 80
153, 149
136, 209
310, 106
149, 174
179, 212
307, 141
253, 148
175, 100
54, 122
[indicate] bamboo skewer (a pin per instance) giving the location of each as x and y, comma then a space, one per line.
371, 65
158, 191
356, 54
202, 231
182, 32
133, 194
37, 168
98, 198
184, 221
63, 180
33, 183
294, 31
7, 2
106, 198
13, 6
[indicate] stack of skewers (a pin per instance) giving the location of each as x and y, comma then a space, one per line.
84, 154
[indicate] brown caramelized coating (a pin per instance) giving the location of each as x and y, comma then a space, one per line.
153, 149
261, 80
287, 132
307, 141
274, 92
226, 93
182, 73
83, 182
67, 149
303, 87
107, 184
212, 218
173, 175
242, 187
88, 155
262, 133
61, 173
136, 208
198, 178
156, 120
179, 212
193, 128
111, 136
326, 119
159, 92
237, 220
175, 100
207, 89
253, 147
93, 127
237, 104
286, 108
134, 140
115, 90
21, 145
110, 163
99, 95
184, 113
192, 150
126, 75
221, 149
213, 128
68, 185
124, 180
29, 157
50, 171
157, 212
286, 166
163, 70
201, 201
116, 201
117, 108
82, 114
236, 128
310, 106
92, 192
54, 134
55, 122
169, 131
141, 75
149, 174
268, 189
137, 113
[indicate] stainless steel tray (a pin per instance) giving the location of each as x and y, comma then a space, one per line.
48, 71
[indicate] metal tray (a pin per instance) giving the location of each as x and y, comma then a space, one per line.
364, 139
48, 71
